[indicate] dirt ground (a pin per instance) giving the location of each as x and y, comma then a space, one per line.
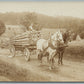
17, 69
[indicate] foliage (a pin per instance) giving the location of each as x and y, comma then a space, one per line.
2, 28
31, 18
82, 34
25, 18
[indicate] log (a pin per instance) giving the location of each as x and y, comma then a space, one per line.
22, 40
22, 36
27, 34
26, 44
26, 38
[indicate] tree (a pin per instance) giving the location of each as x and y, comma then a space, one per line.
31, 18
2, 28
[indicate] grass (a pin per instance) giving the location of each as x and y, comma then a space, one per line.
75, 50
16, 73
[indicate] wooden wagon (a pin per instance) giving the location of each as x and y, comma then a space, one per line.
25, 42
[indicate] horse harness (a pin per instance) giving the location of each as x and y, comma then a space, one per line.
57, 48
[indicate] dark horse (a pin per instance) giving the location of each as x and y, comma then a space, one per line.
61, 48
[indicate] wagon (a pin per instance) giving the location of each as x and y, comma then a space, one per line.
25, 42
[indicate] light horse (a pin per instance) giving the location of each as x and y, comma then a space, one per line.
49, 47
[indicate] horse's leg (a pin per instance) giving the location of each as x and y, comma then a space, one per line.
51, 64
41, 59
58, 58
62, 57
52, 60
54, 56
38, 53
48, 59
41, 56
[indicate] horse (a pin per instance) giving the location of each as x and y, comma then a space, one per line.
61, 49
48, 47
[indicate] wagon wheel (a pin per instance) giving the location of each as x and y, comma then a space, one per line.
12, 51
27, 54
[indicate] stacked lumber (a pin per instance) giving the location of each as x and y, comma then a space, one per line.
27, 38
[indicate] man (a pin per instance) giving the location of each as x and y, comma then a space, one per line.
31, 27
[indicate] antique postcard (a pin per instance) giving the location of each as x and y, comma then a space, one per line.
42, 41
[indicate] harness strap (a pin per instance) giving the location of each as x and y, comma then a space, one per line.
44, 51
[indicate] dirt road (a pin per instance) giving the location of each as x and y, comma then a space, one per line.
17, 69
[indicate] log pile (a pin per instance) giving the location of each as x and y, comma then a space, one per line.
27, 38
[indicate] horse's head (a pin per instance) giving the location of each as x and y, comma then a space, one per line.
67, 36
57, 38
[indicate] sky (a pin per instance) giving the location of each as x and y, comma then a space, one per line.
74, 9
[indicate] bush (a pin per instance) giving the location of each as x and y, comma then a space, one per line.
82, 34
75, 51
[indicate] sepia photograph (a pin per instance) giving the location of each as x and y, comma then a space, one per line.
41, 41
